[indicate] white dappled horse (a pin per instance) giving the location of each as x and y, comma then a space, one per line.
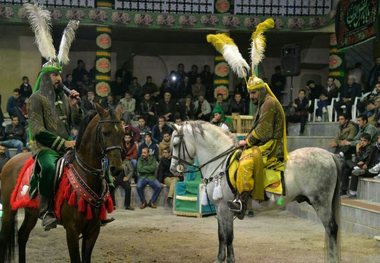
311, 175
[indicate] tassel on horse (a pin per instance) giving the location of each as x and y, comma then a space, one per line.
103, 212
109, 204
73, 199
81, 205
89, 212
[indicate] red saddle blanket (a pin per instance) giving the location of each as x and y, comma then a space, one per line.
68, 191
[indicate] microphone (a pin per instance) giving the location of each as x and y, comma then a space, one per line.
68, 92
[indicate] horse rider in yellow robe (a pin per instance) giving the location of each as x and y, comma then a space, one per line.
265, 144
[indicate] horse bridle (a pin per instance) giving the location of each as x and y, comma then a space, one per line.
182, 147
99, 139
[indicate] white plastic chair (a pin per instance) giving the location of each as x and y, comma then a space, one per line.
315, 109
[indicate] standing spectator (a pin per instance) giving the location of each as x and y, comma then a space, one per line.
165, 176
4, 156
146, 168
129, 105
278, 83
135, 89
150, 87
124, 74
25, 88
79, 72
347, 132
123, 179
374, 73
165, 143
198, 89
15, 105
148, 143
147, 109
14, 135
142, 127
208, 81
349, 92
118, 88
92, 73
159, 129
202, 109
299, 112
85, 84
167, 107
89, 101
237, 105
69, 81
193, 74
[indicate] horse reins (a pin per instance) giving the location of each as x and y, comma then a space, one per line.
104, 150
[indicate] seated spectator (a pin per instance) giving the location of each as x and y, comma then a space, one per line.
69, 81
165, 176
131, 148
167, 107
129, 129
146, 169
375, 118
79, 72
25, 88
202, 109
118, 88
187, 108
357, 167
364, 127
237, 105
150, 87
142, 127
347, 132
147, 109
312, 90
365, 100
148, 143
178, 120
218, 118
331, 90
198, 89
14, 134
15, 105
123, 178
298, 112
159, 129
165, 143
322, 112
129, 105
89, 101
349, 92
85, 85
109, 103
223, 104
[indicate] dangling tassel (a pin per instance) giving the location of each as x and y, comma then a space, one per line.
204, 199
73, 199
103, 213
217, 194
67, 192
89, 212
81, 205
109, 204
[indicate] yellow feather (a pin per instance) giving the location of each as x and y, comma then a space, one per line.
258, 41
262, 27
219, 41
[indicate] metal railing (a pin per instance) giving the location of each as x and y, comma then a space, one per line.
240, 7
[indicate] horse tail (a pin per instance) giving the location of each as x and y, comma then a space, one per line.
8, 234
336, 206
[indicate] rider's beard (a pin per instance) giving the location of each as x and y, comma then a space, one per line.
58, 85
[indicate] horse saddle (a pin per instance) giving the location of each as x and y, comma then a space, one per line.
273, 171
25, 192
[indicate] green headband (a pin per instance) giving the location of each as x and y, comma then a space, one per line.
48, 69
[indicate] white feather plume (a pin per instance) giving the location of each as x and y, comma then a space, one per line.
236, 61
39, 20
258, 41
66, 41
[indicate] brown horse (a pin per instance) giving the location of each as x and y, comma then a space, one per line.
99, 140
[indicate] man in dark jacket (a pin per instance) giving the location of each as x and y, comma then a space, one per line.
14, 135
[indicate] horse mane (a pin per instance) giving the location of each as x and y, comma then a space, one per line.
203, 126
89, 116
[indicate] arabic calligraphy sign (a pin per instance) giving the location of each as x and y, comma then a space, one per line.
355, 21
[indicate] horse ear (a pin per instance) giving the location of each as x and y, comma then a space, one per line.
119, 111
101, 111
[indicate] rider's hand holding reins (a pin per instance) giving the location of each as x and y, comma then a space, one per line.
69, 144
242, 143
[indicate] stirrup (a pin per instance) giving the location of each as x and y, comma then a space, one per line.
49, 221
233, 205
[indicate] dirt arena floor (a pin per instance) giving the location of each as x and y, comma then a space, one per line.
155, 235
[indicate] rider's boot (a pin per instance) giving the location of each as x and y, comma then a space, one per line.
239, 205
47, 215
